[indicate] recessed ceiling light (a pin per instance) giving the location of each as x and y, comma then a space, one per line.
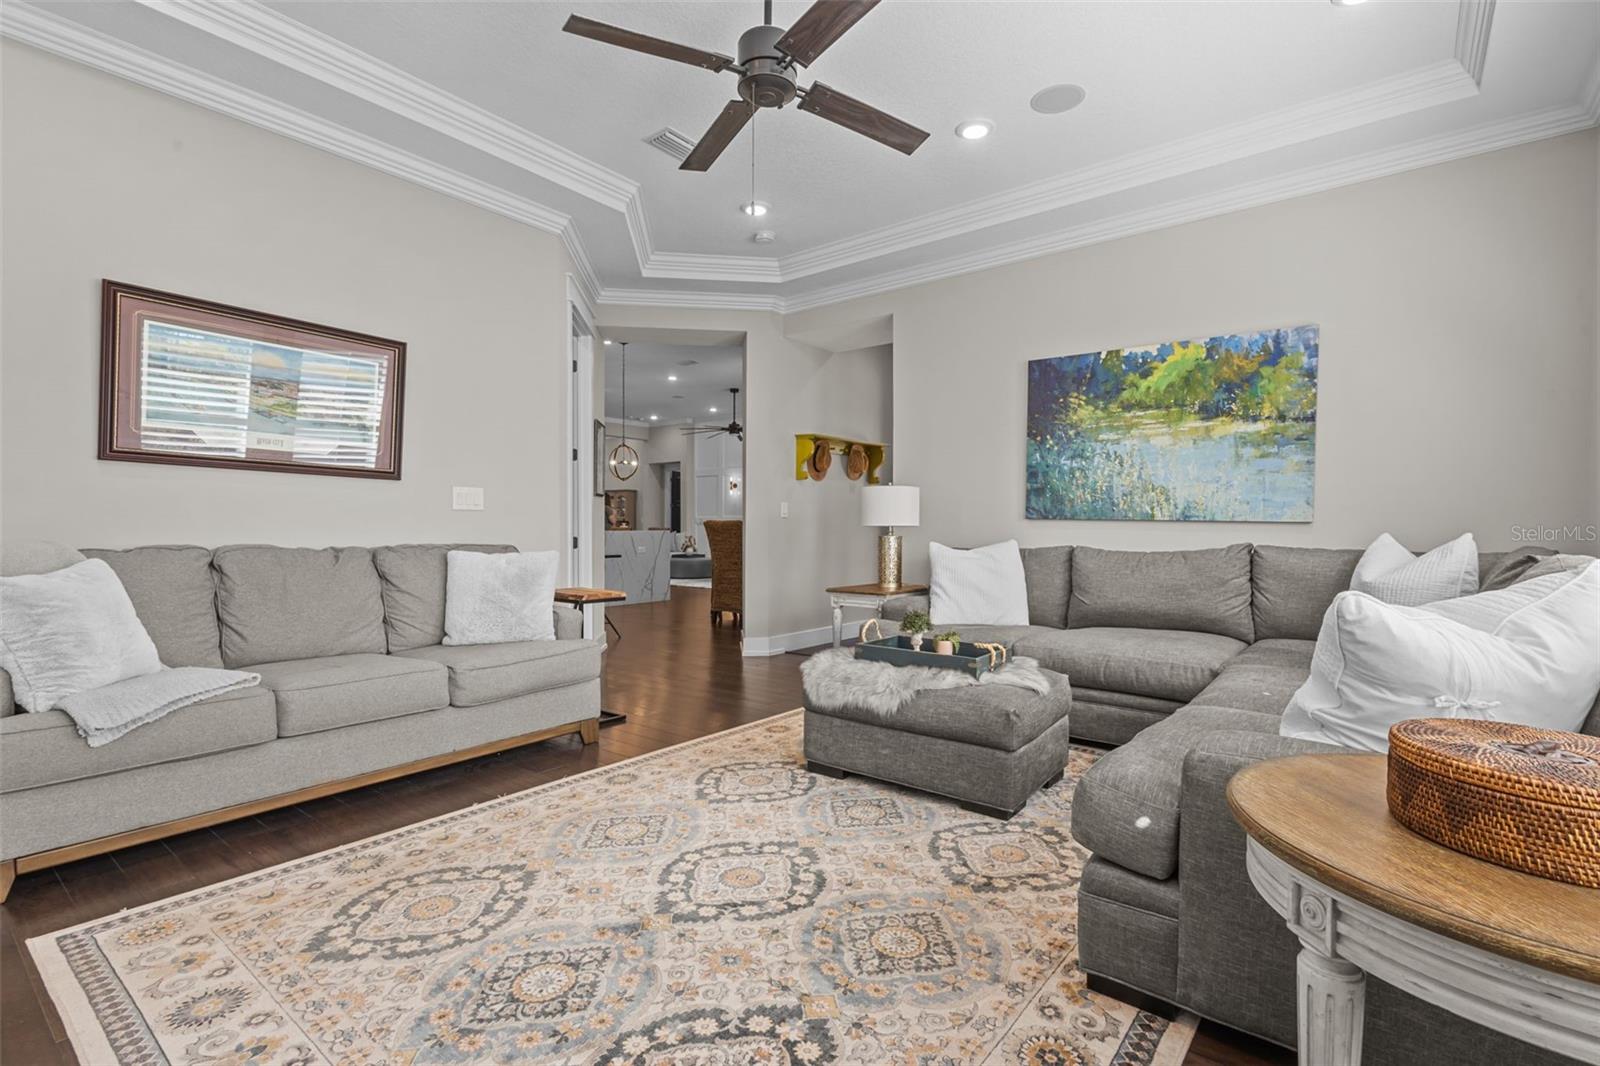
713, 410
754, 208
654, 418
974, 129
1055, 99
672, 377
607, 342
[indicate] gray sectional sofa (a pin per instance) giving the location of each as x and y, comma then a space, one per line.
1186, 661
355, 687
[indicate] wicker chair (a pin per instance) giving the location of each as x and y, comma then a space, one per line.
725, 539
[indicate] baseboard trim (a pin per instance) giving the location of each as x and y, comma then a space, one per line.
783, 643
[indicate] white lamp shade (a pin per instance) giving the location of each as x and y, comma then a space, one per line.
891, 505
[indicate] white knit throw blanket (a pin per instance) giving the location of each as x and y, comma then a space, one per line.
836, 678
106, 713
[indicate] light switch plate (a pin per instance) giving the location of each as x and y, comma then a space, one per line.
466, 498
783, 509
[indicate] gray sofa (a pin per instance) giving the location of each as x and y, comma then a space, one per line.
1186, 660
355, 687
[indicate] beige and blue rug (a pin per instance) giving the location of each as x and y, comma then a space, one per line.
709, 905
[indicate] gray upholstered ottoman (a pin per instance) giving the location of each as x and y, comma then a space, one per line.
988, 746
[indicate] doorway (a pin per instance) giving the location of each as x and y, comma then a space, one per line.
582, 518
679, 576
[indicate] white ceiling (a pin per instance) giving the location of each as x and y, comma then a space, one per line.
705, 372
1193, 108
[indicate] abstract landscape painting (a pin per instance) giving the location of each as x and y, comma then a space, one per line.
1221, 429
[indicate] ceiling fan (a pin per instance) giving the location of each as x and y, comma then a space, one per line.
733, 428
768, 56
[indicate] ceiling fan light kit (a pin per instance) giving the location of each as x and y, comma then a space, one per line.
767, 58
733, 428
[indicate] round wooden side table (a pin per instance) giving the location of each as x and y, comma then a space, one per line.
1364, 895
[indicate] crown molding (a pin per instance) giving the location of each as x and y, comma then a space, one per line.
251, 25
36, 27
1591, 95
700, 301
687, 266
583, 275
1438, 83
70, 40
1473, 18
257, 28
1508, 133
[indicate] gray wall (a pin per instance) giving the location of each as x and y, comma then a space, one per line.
1460, 376
112, 180
790, 388
1458, 370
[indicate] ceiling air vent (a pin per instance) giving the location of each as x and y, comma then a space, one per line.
670, 141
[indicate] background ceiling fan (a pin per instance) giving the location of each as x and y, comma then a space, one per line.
733, 428
768, 56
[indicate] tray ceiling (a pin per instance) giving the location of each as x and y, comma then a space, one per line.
1193, 109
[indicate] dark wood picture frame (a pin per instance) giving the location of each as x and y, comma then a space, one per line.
124, 311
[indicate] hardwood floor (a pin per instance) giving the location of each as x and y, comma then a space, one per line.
674, 675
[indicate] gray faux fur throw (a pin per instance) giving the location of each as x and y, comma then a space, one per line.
836, 678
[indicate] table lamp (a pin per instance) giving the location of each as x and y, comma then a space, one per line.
891, 506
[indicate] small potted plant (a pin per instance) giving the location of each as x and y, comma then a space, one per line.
946, 643
914, 625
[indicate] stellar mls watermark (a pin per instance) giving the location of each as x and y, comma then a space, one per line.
1570, 534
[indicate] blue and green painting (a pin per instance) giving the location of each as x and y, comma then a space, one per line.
1216, 430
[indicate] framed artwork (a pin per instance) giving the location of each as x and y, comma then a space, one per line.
599, 454
1217, 429
196, 383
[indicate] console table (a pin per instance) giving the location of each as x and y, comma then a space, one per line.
870, 596
1364, 895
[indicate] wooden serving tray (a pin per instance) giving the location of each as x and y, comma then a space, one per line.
897, 651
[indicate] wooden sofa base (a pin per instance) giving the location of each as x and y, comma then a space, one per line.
588, 730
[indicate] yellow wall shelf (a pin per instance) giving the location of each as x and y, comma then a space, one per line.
806, 443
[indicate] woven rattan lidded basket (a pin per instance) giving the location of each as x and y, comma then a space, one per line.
1516, 796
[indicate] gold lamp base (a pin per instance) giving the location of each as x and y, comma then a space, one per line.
889, 560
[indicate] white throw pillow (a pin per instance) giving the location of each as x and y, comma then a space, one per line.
69, 631
1391, 573
980, 586
1523, 654
501, 597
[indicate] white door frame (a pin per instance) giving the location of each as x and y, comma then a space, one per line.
579, 343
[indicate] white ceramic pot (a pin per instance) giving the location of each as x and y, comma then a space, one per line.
916, 641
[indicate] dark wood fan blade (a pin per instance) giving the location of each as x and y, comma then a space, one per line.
722, 131
852, 114
823, 23
682, 53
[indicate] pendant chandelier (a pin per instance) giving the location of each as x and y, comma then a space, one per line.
624, 461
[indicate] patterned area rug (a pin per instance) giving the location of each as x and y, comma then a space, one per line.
711, 904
